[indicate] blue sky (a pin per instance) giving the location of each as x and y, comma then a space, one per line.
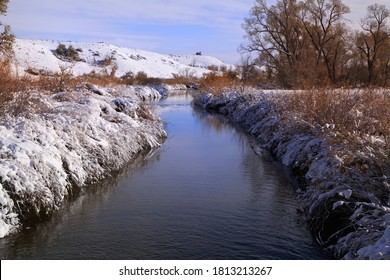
169, 26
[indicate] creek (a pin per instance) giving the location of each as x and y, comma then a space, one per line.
206, 194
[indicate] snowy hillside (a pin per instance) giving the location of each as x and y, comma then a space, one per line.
38, 55
198, 61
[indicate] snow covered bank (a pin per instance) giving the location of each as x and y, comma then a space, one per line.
67, 141
347, 211
155, 91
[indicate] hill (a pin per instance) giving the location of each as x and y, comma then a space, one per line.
37, 56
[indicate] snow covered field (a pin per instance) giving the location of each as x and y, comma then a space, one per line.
69, 140
38, 56
345, 208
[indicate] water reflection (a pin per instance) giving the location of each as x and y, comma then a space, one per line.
271, 201
37, 242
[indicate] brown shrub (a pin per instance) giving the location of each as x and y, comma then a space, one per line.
7, 81
99, 79
141, 78
179, 79
356, 123
27, 104
67, 53
216, 84
107, 61
354, 111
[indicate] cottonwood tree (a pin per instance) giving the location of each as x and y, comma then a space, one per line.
6, 37
372, 41
249, 73
323, 21
302, 41
275, 33
307, 43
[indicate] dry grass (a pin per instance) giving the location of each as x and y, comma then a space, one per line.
216, 84
358, 112
355, 122
8, 83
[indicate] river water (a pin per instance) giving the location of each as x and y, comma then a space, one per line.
204, 195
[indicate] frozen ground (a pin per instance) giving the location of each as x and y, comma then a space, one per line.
345, 208
67, 141
38, 56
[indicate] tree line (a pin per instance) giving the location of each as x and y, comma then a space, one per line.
310, 43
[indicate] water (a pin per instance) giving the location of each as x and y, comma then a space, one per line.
204, 195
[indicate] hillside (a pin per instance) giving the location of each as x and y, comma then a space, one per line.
38, 56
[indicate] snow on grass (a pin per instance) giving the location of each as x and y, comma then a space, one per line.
38, 55
346, 208
76, 141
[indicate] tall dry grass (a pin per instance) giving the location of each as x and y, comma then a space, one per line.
215, 83
356, 123
7, 81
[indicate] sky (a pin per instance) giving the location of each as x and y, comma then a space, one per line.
169, 26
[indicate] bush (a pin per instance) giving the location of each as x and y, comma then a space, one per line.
99, 79
355, 123
68, 54
107, 61
141, 78
16, 98
8, 84
216, 83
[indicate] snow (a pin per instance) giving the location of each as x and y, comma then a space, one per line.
335, 194
378, 250
337, 204
200, 61
99, 90
38, 55
347, 194
79, 139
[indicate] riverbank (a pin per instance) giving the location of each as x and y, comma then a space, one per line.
347, 209
52, 145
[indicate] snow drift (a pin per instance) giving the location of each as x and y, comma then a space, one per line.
344, 212
66, 142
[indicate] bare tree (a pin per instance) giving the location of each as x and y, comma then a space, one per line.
372, 40
323, 22
274, 33
303, 41
247, 71
308, 43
